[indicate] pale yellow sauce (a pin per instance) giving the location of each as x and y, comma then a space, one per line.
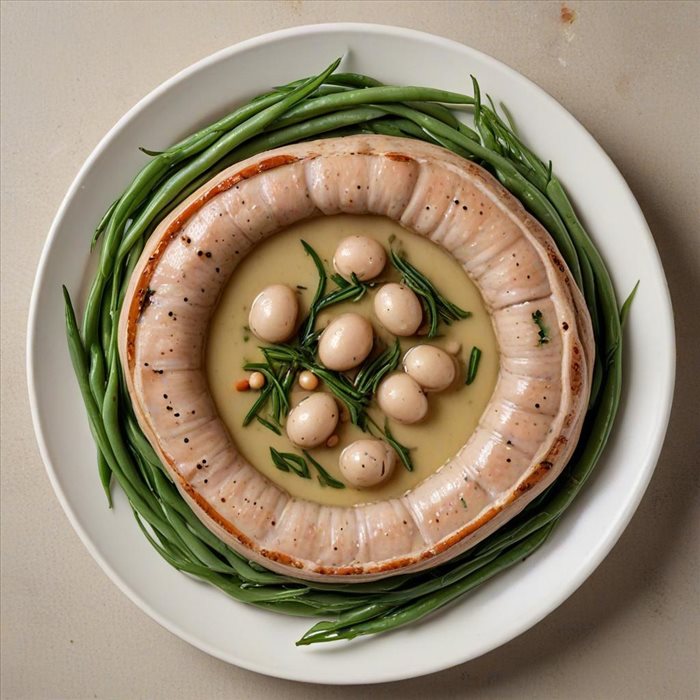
453, 414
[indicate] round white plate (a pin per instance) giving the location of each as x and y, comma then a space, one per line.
515, 600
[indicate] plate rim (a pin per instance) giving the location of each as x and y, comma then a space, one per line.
603, 546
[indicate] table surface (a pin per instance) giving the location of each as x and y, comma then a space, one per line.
627, 71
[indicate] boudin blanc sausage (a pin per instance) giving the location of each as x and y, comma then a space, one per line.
525, 435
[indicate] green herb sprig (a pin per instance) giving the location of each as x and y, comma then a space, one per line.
403, 452
372, 372
474, 359
543, 332
324, 478
290, 462
347, 291
437, 307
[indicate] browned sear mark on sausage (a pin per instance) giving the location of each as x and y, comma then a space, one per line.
399, 157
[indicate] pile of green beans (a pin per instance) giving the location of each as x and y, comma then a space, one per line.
328, 104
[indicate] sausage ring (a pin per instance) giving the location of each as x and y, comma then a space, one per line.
525, 435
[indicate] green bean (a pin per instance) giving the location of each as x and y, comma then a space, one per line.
378, 92
304, 130
446, 143
103, 224
371, 95
100, 436
416, 610
96, 379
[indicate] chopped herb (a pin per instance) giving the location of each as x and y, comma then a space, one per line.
544, 331
474, 359
464, 503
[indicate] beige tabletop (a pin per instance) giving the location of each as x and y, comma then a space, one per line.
627, 71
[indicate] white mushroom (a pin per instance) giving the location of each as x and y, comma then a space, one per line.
366, 463
398, 309
430, 366
360, 255
346, 342
273, 313
401, 398
313, 420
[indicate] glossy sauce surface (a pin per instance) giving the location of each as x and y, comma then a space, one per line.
453, 414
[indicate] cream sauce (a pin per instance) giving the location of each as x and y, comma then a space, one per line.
453, 414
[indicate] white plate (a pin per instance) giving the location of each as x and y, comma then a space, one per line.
512, 602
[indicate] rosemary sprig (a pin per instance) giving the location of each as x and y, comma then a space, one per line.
347, 291
324, 478
269, 425
289, 462
258, 405
474, 359
543, 333
269, 371
308, 325
372, 372
402, 451
437, 307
